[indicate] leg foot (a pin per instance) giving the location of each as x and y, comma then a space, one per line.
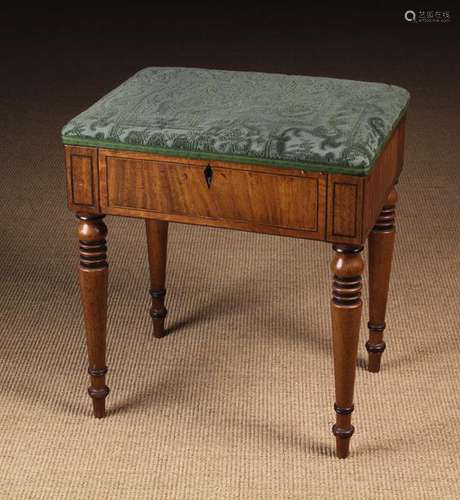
93, 289
346, 305
381, 244
157, 242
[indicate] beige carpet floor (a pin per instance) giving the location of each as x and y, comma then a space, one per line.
236, 402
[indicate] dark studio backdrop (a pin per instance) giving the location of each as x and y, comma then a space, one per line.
66, 58
84, 52
216, 411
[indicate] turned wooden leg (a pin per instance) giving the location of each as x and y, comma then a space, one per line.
157, 242
381, 243
93, 287
347, 266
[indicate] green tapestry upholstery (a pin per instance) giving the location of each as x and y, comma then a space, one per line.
312, 123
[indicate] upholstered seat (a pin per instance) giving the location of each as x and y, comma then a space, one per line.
312, 123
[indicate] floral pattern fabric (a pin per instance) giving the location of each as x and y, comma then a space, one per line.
313, 123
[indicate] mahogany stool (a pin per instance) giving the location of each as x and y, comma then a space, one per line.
298, 156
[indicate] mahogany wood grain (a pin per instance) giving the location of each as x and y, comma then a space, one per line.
381, 244
277, 201
347, 266
288, 202
344, 208
93, 289
157, 243
401, 131
82, 178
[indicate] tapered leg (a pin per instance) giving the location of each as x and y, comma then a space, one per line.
381, 243
93, 287
346, 305
157, 242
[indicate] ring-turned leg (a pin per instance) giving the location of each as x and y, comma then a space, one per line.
93, 287
381, 243
347, 266
157, 242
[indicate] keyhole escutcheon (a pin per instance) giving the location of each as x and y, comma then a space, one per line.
208, 175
